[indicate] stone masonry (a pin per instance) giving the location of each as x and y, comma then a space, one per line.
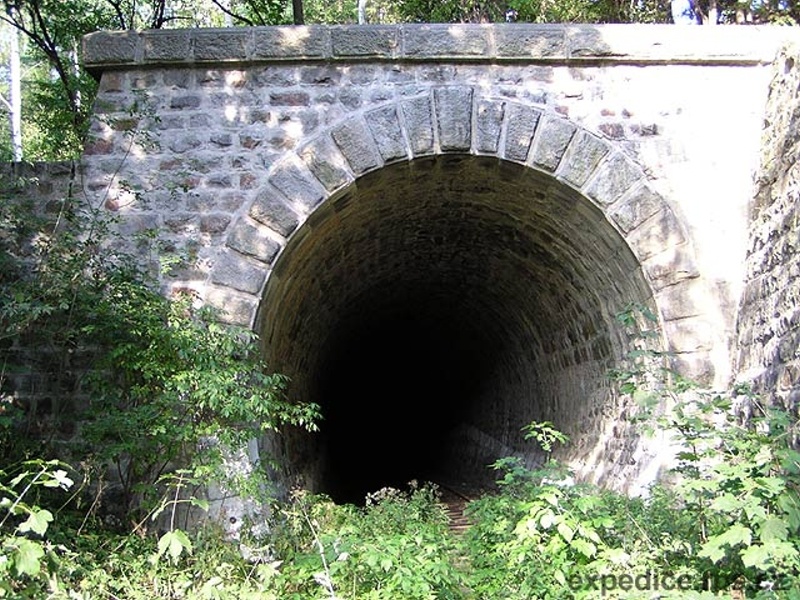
510, 187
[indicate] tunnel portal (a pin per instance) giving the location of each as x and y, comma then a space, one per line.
434, 308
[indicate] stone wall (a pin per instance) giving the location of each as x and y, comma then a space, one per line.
364, 195
45, 380
769, 319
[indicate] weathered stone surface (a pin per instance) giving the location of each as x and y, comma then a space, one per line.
454, 118
297, 185
489, 125
355, 142
671, 266
438, 40
290, 42
682, 300
584, 153
327, 164
522, 122
233, 270
551, 143
360, 41
615, 176
220, 44
252, 239
173, 45
384, 125
419, 125
505, 245
641, 205
656, 234
106, 47
271, 209
525, 40
234, 308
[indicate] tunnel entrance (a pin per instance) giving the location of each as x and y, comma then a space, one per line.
436, 307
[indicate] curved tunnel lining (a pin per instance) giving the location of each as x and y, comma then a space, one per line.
434, 309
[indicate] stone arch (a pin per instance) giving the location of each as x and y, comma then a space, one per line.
543, 164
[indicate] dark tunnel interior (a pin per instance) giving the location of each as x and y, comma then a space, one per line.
435, 308
390, 380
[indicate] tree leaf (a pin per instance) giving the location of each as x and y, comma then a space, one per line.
565, 531
757, 556
726, 503
174, 543
27, 555
773, 528
37, 522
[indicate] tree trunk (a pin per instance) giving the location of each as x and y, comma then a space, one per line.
713, 12
297, 10
362, 12
15, 96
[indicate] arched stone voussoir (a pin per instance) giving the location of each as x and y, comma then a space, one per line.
296, 182
656, 234
612, 178
387, 133
271, 208
355, 142
234, 308
672, 266
521, 123
683, 300
583, 155
251, 238
454, 117
551, 143
237, 271
326, 162
489, 115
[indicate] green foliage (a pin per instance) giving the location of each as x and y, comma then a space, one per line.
397, 546
24, 523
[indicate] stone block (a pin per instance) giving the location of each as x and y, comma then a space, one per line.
614, 177
587, 41
442, 40
522, 122
220, 44
682, 300
419, 125
298, 185
272, 209
690, 335
252, 239
103, 47
320, 75
489, 125
324, 160
657, 234
291, 42
454, 118
584, 153
638, 207
672, 266
384, 124
358, 41
526, 40
234, 308
234, 270
167, 45
185, 101
551, 143
355, 142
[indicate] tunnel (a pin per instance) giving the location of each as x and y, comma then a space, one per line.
433, 309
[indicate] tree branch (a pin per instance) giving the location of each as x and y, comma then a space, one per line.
230, 13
